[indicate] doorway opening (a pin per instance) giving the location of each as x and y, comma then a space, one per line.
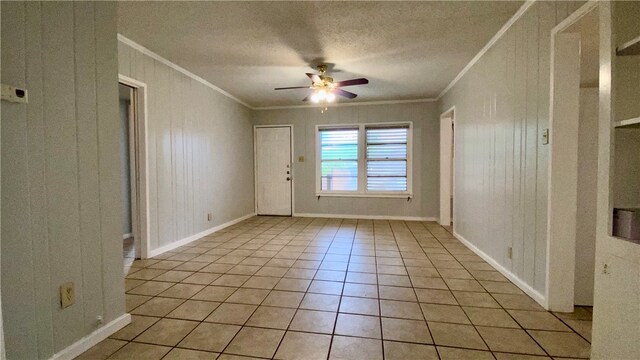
573, 168
134, 197
273, 170
447, 166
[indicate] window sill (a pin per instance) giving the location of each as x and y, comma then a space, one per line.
373, 195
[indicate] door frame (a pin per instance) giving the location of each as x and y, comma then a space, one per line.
255, 166
562, 180
447, 167
140, 185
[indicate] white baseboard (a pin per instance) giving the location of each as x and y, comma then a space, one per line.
534, 294
366, 217
126, 236
185, 241
92, 339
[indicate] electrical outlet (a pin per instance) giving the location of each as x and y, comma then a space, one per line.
67, 295
209, 216
509, 252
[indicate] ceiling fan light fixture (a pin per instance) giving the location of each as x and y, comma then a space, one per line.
331, 97
315, 98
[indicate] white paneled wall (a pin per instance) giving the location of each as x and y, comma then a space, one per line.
200, 151
502, 107
60, 174
426, 154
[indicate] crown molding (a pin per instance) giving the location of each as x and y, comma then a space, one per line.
362, 103
523, 9
144, 50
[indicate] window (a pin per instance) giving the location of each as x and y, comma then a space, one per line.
339, 159
364, 160
387, 158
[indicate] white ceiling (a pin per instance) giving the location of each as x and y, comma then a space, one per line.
407, 50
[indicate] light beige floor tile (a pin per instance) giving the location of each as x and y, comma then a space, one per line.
320, 302
261, 282
361, 278
362, 306
400, 309
517, 302
194, 310
182, 291
174, 276
236, 314
562, 343
255, 342
157, 306
201, 278
151, 288
313, 321
444, 313
133, 301
134, 351
456, 335
500, 287
358, 325
232, 280
325, 287
146, 274
277, 272
582, 327
102, 350
414, 331
428, 282
296, 345
436, 296
360, 290
351, 348
464, 285
490, 317
167, 332
478, 299
288, 299
214, 293
136, 327
404, 351
291, 284
447, 353
397, 293
248, 296
209, 337
271, 317
509, 340
510, 356
186, 354
538, 320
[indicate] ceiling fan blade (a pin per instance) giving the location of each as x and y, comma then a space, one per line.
291, 87
314, 77
344, 93
351, 82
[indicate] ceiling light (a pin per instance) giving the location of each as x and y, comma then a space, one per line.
315, 98
331, 97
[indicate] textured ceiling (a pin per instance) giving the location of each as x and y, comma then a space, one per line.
407, 50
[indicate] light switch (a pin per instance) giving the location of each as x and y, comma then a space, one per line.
545, 137
300, 158
67, 295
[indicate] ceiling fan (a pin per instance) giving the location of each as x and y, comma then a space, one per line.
324, 89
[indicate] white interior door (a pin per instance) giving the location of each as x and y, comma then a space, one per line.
273, 170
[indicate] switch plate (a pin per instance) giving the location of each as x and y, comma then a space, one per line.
209, 216
67, 295
545, 137
14, 94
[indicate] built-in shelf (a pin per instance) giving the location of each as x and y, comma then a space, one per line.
628, 123
631, 47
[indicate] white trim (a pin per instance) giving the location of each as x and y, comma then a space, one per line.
447, 119
291, 167
575, 16
488, 46
92, 339
178, 68
534, 294
143, 221
362, 103
126, 236
367, 195
366, 217
185, 241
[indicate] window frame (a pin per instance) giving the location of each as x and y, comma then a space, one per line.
362, 161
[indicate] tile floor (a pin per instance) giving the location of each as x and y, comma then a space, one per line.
304, 288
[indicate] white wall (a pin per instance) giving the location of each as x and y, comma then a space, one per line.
60, 169
426, 153
200, 151
587, 196
502, 107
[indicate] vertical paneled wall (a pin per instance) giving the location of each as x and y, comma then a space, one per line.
200, 151
426, 155
502, 107
60, 170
